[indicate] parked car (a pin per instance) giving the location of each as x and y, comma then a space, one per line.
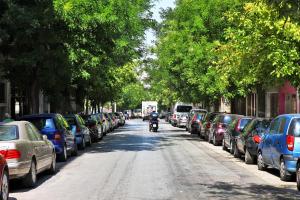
58, 131
114, 120
280, 146
92, 124
195, 119
101, 128
110, 122
247, 142
121, 120
79, 130
4, 178
105, 123
233, 131
219, 126
182, 120
26, 151
206, 124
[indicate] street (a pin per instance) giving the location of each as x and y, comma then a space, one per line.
134, 164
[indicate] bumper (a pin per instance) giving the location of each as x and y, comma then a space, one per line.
219, 136
79, 139
18, 169
181, 123
290, 163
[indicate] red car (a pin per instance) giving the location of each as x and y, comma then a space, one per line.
4, 179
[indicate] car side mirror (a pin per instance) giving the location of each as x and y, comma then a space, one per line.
45, 137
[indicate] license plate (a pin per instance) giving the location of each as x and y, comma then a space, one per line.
154, 125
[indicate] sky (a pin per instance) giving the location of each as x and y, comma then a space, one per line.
159, 4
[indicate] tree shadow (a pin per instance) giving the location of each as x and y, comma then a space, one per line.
224, 190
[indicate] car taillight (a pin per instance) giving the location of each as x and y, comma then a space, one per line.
208, 125
290, 142
257, 139
194, 118
11, 154
78, 129
57, 136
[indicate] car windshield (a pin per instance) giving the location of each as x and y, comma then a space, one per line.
8, 133
42, 123
295, 127
184, 108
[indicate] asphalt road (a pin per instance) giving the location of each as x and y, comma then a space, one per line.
133, 164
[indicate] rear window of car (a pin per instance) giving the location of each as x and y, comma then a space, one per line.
184, 108
8, 133
42, 123
244, 122
71, 121
227, 119
294, 128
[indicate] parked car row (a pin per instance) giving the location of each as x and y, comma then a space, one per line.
34, 143
269, 143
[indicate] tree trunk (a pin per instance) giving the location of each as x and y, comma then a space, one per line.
33, 98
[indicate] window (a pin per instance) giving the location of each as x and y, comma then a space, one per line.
8, 133
274, 126
42, 123
282, 125
30, 133
36, 132
295, 127
183, 108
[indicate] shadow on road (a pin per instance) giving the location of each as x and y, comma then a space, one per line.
223, 190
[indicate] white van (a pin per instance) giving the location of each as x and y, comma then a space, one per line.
180, 114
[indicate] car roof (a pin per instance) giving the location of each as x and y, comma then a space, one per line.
289, 115
39, 115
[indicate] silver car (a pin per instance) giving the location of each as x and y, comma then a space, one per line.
27, 152
182, 120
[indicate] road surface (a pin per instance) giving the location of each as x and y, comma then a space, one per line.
133, 164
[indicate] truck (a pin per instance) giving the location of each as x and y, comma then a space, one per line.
147, 108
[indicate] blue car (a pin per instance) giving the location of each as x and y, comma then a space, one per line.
58, 132
280, 146
79, 130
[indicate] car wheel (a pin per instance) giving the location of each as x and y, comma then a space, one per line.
5, 186
82, 145
31, 179
231, 147
284, 174
52, 169
223, 145
236, 152
260, 163
90, 141
248, 157
64, 155
298, 176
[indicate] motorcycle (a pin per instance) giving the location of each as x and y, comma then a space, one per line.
153, 125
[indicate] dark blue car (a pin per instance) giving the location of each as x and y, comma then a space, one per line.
280, 146
58, 132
